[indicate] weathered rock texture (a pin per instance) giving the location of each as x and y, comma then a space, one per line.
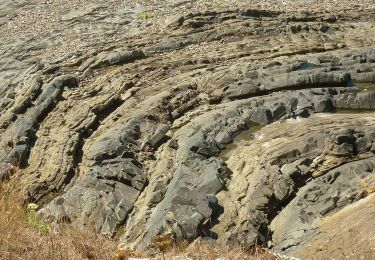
250, 122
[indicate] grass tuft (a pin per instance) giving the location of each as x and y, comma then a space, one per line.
144, 16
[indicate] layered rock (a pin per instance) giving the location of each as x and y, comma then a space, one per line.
238, 122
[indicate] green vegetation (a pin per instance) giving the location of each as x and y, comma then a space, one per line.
34, 221
25, 236
143, 16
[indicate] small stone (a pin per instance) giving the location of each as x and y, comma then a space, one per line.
174, 20
223, 137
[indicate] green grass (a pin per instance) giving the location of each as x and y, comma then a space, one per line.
144, 16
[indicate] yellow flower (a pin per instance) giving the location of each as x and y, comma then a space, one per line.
32, 206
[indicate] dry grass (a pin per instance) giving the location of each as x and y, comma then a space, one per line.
21, 240
209, 251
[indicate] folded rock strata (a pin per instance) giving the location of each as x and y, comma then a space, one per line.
249, 125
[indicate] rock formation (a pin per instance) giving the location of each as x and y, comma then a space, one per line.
249, 122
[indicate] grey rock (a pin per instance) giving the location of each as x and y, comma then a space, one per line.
363, 144
223, 138
117, 58
110, 186
283, 188
165, 116
22, 131
262, 116
324, 105
289, 169
159, 135
329, 18
323, 195
306, 79
278, 111
174, 20
203, 144
244, 88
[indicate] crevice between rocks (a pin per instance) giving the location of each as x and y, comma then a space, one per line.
305, 86
24, 157
100, 116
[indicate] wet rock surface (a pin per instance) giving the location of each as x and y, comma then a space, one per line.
249, 122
